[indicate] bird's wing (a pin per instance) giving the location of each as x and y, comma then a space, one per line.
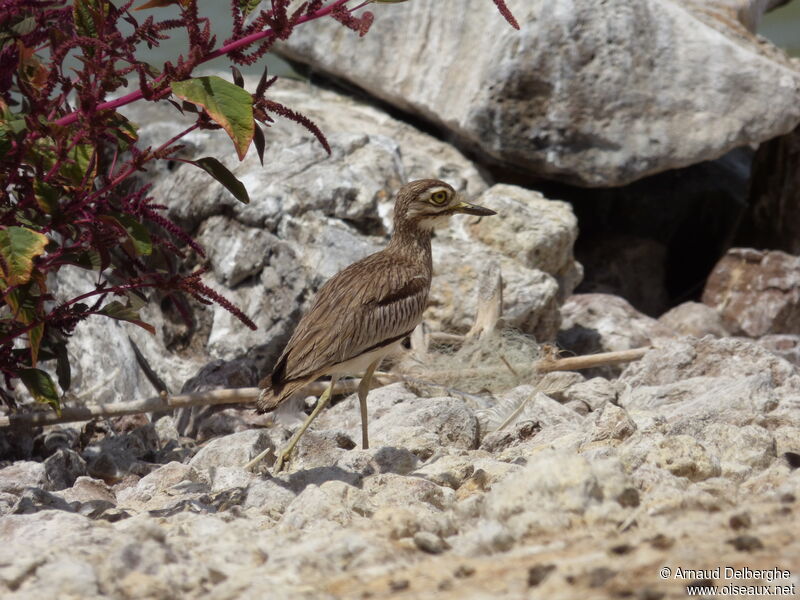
365, 306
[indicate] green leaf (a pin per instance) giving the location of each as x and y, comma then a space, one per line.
41, 387
63, 370
83, 17
138, 242
248, 6
226, 103
260, 143
25, 26
89, 259
137, 233
221, 173
18, 247
35, 341
125, 312
46, 196
75, 169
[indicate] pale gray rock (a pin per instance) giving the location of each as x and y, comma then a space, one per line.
592, 323
269, 497
155, 483
536, 232
673, 361
103, 363
530, 296
399, 420
87, 489
234, 450
741, 451
333, 501
695, 319
595, 393
62, 469
564, 487
683, 456
235, 251
611, 422
17, 476
600, 108
424, 425
525, 403
784, 345
430, 543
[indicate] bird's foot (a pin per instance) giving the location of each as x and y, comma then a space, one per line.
281, 461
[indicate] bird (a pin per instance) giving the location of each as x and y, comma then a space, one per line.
365, 311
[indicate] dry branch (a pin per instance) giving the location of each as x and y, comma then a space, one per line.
247, 395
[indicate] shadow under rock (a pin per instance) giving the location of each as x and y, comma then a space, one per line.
364, 463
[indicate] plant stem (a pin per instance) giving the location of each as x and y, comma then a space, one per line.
235, 45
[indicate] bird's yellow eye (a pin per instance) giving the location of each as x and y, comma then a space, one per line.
439, 197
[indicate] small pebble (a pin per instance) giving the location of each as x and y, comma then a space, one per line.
746, 543
538, 573
464, 571
740, 521
430, 542
398, 585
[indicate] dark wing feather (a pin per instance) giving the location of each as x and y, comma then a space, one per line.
372, 301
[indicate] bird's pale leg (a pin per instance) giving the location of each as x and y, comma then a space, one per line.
284, 455
363, 390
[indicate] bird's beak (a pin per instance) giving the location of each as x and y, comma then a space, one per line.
473, 209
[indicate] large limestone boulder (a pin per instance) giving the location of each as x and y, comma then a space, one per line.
598, 94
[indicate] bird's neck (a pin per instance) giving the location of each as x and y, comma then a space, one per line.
413, 243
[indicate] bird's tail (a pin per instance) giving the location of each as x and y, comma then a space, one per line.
271, 396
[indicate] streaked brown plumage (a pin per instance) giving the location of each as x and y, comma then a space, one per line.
365, 310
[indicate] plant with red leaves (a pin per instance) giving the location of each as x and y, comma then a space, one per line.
67, 158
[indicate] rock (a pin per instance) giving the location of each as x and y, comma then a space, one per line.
157, 482
680, 360
594, 393
742, 451
102, 360
17, 476
236, 252
424, 425
63, 468
234, 450
33, 500
683, 456
86, 489
113, 457
505, 92
695, 319
536, 232
565, 490
430, 543
612, 422
398, 419
269, 497
756, 292
526, 403
530, 296
593, 323
783, 345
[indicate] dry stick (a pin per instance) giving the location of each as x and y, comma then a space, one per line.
247, 395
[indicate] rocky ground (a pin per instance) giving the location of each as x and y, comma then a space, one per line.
522, 485
688, 459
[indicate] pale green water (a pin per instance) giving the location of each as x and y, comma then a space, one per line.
782, 26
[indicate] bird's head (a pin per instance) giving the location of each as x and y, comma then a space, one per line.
429, 203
